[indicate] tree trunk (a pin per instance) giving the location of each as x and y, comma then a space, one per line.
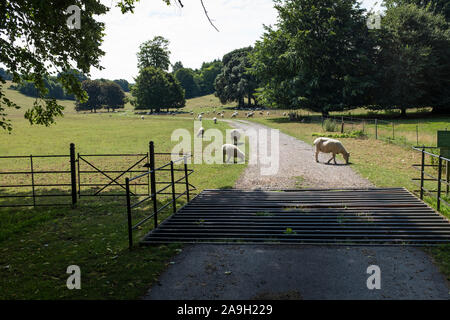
325, 113
249, 100
403, 114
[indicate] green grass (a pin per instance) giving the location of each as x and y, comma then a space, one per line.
37, 245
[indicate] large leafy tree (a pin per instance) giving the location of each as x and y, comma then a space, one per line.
113, 95
95, 100
414, 60
235, 83
156, 89
123, 84
318, 56
35, 42
154, 53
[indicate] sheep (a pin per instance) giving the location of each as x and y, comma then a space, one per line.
200, 117
250, 115
142, 117
327, 145
232, 151
284, 114
268, 113
234, 115
200, 132
215, 120
218, 113
261, 113
221, 115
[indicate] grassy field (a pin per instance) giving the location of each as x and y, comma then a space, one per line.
37, 245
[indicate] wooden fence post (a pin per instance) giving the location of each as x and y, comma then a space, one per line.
376, 129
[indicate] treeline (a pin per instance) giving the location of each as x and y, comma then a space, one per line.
326, 55
54, 87
198, 82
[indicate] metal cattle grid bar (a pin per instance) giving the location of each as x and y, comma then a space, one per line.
390, 216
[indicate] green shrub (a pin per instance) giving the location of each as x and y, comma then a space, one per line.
330, 125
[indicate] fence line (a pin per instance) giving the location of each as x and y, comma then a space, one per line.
428, 177
72, 181
376, 128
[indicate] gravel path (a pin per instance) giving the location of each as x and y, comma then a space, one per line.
297, 167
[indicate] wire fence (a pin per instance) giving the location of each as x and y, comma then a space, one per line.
410, 133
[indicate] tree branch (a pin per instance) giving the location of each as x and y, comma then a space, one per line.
206, 13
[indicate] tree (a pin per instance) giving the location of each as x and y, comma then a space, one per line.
93, 88
156, 89
318, 57
154, 53
113, 96
177, 66
234, 83
436, 6
185, 77
414, 61
35, 40
123, 84
207, 76
5, 75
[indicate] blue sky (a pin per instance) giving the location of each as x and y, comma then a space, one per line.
192, 39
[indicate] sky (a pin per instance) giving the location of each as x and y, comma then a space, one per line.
192, 39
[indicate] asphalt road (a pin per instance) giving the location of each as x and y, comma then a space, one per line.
295, 272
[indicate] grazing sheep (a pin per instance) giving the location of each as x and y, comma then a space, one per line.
284, 114
218, 113
200, 117
221, 115
268, 113
261, 113
142, 117
234, 115
215, 120
231, 150
250, 115
327, 145
200, 132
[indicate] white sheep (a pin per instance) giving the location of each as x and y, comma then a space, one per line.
327, 145
215, 120
200, 117
200, 132
234, 115
284, 114
250, 115
221, 115
268, 113
142, 117
232, 151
